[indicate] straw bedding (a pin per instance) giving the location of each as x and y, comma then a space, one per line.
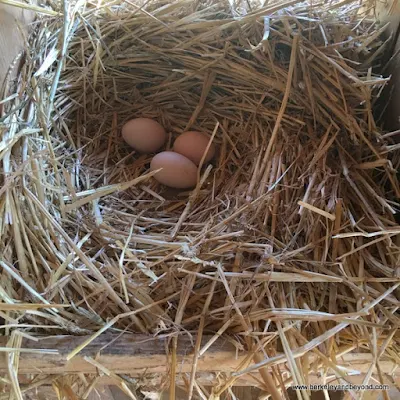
288, 243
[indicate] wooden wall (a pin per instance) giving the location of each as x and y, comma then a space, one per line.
389, 11
11, 39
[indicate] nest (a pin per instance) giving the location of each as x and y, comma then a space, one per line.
287, 245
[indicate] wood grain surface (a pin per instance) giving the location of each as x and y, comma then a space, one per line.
136, 354
131, 354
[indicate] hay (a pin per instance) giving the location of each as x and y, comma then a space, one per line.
288, 244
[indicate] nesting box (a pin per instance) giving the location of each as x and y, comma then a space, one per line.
278, 269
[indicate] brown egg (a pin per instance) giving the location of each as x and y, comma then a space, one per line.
144, 134
192, 145
177, 171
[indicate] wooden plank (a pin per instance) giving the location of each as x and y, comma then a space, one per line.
139, 354
131, 354
146, 357
153, 382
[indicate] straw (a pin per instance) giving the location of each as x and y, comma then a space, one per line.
288, 245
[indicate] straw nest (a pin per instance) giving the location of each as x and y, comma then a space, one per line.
287, 245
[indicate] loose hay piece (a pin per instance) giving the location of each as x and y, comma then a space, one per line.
287, 245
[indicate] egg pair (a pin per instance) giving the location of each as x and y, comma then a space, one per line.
178, 167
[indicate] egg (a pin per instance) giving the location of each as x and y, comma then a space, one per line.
144, 134
177, 171
193, 145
